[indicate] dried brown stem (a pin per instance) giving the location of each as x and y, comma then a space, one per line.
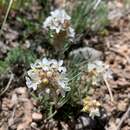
109, 90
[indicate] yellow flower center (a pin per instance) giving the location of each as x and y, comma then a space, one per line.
45, 81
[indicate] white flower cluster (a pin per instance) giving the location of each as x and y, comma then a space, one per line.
48, 73
98, 71
59, 21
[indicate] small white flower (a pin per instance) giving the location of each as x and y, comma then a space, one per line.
98, 71
47, 90
37, 64
48, 73
32, 84
71, 33
58, 65
94, 112
61, 15
63, 83
33, 79
91, 106
45, 64
98, 65
59, 21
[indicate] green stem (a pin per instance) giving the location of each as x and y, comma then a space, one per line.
48, 118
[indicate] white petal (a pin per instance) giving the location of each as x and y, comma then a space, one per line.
45, 68
62, 69
47, 22
37, 64
47, 90
45, 61
33, 75
60, 62
58, 29
30, 84
94, 112
71, 32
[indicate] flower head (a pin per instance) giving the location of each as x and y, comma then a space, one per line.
97, 71
59, 21
49, 74
91, 106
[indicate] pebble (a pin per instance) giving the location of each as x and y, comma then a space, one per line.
129, 95
82, 123
87, 53
14, 99
128, 121
21, 90
117, 121
122, 106
36, 116
33, 125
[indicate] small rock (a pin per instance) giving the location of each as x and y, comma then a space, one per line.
4, 127
36, 116
122, 106
112, 126
126, 128
14, 99
33, 125
23, 126
128, 121
21, 90
82, 122
10, 121
87, 53
11, 35
117, 121
6, 113
10, 105
128, 95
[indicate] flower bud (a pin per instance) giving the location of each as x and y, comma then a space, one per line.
49, 74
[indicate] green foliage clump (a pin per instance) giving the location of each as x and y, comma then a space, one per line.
3, 66
16, 3
84, 16
16, 56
